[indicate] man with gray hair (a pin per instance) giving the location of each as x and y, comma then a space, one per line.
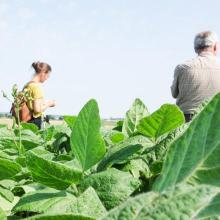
197, 79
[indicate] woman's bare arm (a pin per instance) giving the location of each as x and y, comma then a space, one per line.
40, 105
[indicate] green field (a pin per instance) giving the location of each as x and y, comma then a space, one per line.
153, 166
106, 124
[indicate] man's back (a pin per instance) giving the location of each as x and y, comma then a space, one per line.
195, 81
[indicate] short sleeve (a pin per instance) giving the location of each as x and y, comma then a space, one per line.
36, 91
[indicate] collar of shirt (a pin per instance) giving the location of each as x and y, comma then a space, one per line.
206, 54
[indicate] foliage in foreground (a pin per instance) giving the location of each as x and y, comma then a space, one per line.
151, 166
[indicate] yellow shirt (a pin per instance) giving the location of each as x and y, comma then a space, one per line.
36, 92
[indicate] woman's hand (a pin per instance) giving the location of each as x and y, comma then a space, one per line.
41, 105
51, 103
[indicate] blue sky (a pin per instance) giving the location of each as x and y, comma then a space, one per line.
110, 50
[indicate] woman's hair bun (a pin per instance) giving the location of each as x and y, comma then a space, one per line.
40, 66
35, 66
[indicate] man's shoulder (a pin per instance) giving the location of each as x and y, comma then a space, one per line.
188, 64
199, 62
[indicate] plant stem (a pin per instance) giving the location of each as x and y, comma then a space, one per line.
21, 150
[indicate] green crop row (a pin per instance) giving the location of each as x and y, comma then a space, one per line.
150, 166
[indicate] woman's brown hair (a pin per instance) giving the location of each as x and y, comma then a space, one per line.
41, 67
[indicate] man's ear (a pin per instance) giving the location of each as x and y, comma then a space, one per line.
216, 48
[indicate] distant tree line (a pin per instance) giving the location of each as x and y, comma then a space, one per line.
51, 117
5, 115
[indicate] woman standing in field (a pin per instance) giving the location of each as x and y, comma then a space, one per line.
38, 104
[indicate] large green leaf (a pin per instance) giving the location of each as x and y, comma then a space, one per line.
50, 173
124, 151
184, 202
62, 128
57, 202
119, 126
8, 169
133, 116
2, 215
117, 155
212, 210
7, 194
116, 137
194, 157
48, 200
6, 205
165, 119
30, 126
112, 137
54, 130
89, 204
8, 184
30, 140
10, 138
7, 138
112, 186
86, 142
48, 133
42, 152
70, 120
138, 139
137, 167
159, 150
60, 217
7, 156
